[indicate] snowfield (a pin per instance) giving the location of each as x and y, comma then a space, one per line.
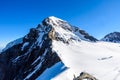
100, 59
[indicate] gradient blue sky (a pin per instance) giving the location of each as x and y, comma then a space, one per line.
97, 17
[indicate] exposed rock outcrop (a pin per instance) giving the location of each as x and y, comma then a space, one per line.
84, 75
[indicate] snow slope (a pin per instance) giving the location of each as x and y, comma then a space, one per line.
52, 72
101, 59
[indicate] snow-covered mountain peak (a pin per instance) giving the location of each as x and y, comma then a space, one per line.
112, 37
55, 18
58, 29
65, 31
56, 22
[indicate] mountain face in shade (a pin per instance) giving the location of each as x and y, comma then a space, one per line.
112, 37
28, 57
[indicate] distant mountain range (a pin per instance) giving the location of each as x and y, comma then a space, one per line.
112, 37
56, 50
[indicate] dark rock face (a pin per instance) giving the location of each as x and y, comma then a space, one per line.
84, 34
17, 64
87, 36
112, 37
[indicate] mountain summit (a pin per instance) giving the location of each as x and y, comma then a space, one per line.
63, 28
56, 50
112, 37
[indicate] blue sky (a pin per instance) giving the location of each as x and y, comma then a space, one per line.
97, 17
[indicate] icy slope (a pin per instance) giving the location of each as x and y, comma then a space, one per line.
101, 59
55, 70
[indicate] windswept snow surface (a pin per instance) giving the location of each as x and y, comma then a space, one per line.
100, 59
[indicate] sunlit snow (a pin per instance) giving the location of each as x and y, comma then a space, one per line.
101, 59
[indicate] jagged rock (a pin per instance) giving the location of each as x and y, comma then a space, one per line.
84, 75
83, 35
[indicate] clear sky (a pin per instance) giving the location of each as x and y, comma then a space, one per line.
97, 17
